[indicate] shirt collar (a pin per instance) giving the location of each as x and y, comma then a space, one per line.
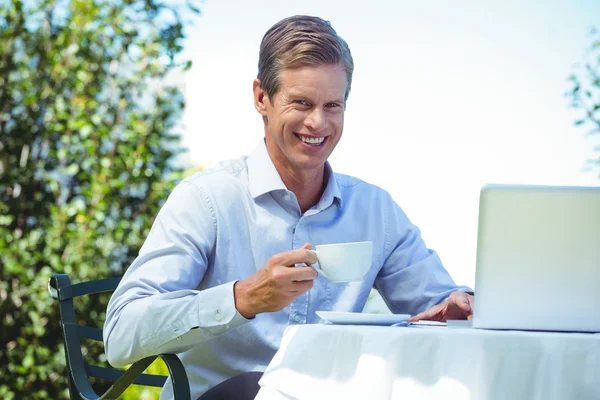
332, 190
262, 174
264, 178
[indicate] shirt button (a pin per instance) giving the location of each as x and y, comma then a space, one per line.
218, 316
297, 318
287, 197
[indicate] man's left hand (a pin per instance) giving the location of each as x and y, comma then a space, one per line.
458, 306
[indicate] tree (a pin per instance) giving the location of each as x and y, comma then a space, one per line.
585, 92
88, 134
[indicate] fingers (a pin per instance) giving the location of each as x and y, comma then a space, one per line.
462, 301
299, 274
470, 301
301, 287
308, 247
418, 317
283, 276
277, 283
459, 306
430, 314
293, 257
415, 318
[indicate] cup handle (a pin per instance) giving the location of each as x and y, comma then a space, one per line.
320, 271
317, 266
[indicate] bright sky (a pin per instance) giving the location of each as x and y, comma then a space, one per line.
446, 96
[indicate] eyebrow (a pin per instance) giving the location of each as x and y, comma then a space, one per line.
294, 94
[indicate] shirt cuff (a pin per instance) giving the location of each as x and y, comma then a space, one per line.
214, 314
216, 310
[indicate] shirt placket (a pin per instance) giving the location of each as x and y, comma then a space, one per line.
299, 307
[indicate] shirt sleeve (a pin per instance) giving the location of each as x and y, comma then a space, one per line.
157, 308
412, 278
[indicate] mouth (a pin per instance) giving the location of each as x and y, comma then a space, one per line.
312, 140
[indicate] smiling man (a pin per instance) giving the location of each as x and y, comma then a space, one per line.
304, 120
226, 266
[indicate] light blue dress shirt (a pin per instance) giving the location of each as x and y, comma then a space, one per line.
222, 225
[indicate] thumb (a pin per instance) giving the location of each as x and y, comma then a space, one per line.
307, 246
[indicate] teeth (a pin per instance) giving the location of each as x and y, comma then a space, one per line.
311, 140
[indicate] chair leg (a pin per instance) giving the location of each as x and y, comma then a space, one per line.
240, 387
73, 393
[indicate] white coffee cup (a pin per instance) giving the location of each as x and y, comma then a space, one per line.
344, 262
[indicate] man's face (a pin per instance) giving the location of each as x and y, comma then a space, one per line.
304, 121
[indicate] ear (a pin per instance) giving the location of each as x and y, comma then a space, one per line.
260, 98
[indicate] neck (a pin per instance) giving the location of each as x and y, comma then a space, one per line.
308, 186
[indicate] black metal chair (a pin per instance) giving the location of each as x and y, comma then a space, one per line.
61, 289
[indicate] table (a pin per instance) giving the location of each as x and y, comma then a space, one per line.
371, 362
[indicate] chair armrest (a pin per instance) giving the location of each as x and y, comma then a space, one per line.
135, 370
179, 379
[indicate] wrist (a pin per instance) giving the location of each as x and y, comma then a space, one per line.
242, 300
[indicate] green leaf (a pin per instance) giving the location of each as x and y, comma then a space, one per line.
72, 169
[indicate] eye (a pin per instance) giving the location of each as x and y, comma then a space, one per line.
301, 102
332, 105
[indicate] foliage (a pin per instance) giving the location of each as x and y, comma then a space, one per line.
88, 133
585, 91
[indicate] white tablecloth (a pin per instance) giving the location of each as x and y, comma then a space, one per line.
369, 362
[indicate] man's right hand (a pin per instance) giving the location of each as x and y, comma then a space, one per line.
277, 283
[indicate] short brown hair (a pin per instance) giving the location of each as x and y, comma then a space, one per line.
301, 40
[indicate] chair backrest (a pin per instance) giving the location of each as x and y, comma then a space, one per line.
61, 289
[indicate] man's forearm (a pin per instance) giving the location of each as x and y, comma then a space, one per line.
164, 323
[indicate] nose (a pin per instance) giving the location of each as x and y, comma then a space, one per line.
316, 121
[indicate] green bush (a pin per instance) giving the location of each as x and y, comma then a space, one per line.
88, 134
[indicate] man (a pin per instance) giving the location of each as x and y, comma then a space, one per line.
226, 266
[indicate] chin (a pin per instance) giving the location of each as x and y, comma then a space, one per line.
309, 163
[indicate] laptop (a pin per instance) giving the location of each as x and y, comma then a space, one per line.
538, 258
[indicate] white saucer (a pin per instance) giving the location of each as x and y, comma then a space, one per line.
350, 318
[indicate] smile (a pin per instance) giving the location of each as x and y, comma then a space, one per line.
313, 141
